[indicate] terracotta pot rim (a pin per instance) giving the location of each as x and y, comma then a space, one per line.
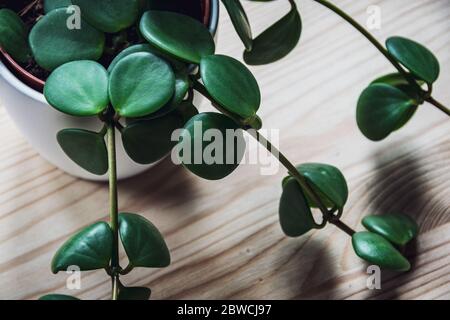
210, 19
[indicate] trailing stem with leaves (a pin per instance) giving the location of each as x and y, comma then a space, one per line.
146, 93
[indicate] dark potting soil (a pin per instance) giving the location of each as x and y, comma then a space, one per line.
32, 10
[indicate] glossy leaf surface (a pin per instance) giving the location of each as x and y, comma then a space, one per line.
210, 156
375, 249
140, 84
277, 41
383, 109
109, 15
231, 84
57, 297
328, 181
415, 57
14, 36
178, 35
398, 229
78, 88
143, 243
54, 44
295, 215
176, 65
240, 21
89, 249
50, 5
85, 148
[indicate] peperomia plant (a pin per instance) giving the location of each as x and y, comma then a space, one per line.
146, 92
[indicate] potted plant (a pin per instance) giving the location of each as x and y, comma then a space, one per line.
22, 83
145, 93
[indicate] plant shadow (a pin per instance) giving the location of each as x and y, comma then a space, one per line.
400, 186
163, 184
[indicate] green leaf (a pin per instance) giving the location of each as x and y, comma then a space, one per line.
109, 15
398, 229
147, 141
328, 181
277, 41
54, 44
377, 250
140, 84
398, 80
143, 243
89, 249
182, 84
231, 84
85, 148
178, 35
134, 293
296, 218
383, 109
14, 36
50, 5
415, 57
177, 66
57, 297
240, 21
209, 155
78, 88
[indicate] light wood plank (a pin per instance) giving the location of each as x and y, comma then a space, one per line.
224, 236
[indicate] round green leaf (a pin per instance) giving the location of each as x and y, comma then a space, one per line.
383, 109
54, 44
85, 148
415, 57
178, 35
90, 249
398, 229
295, 215
206, 152
177, 66
377, 250
231, 84
328, 181
14, 36
147, 141
143, 243
134, 293
57, 297
240, 21
140, 84
109, 15
50, 5
78, 88
277, 41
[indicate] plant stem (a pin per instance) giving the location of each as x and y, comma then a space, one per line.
386, 53
327, 214
115, 287
113, 203
372, 39
438, 105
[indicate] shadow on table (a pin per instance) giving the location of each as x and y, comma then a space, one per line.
163, 183
400, 186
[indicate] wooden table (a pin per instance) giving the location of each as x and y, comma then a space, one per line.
224, 236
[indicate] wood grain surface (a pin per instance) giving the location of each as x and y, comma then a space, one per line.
224, 236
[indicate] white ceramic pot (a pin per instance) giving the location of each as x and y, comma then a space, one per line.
39, 123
